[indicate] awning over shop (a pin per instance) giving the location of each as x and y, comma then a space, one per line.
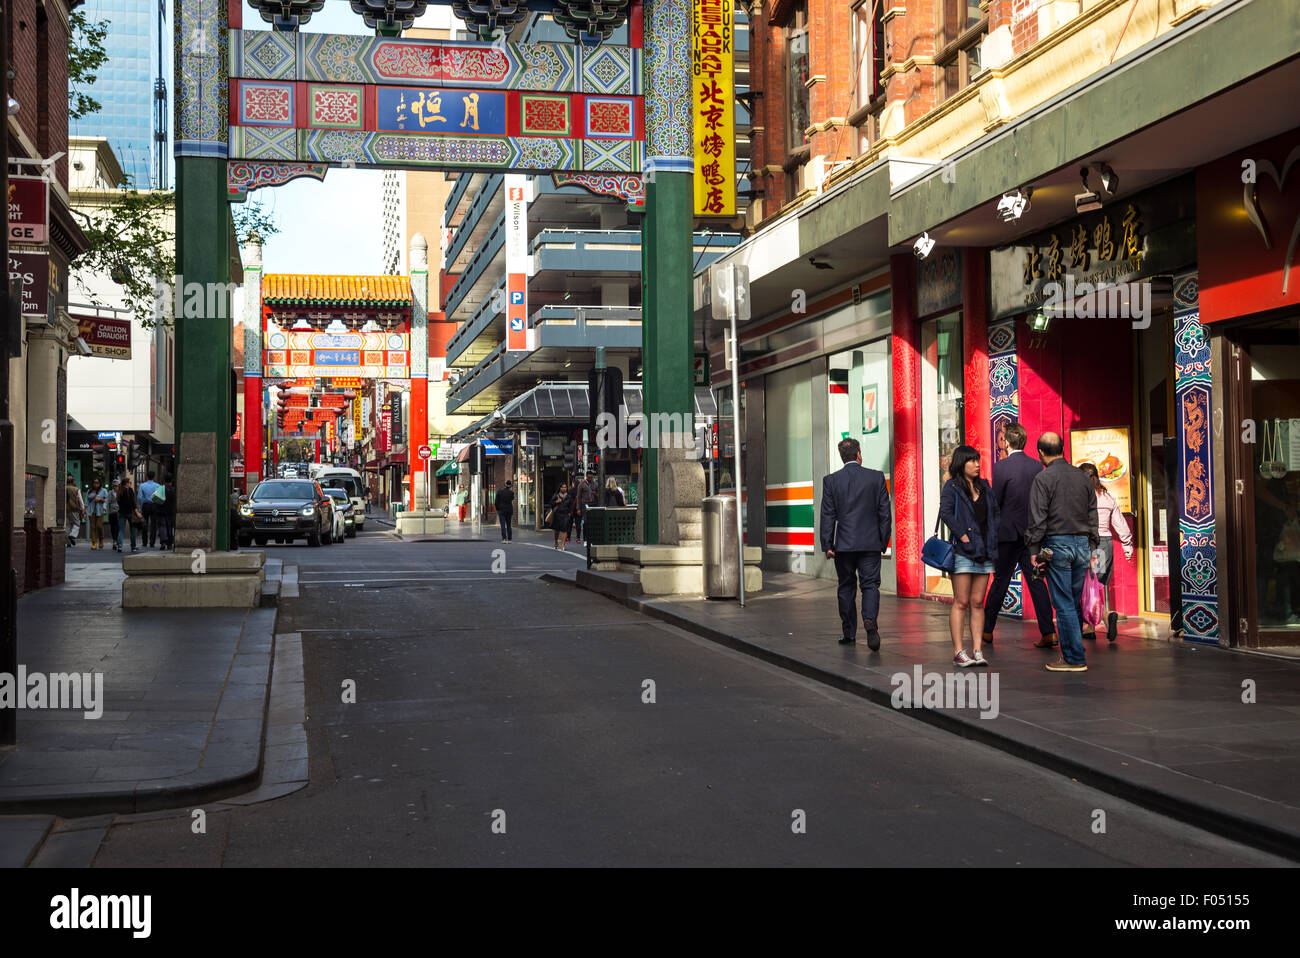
566, 403
448, 469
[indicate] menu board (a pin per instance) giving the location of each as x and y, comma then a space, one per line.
1108, 450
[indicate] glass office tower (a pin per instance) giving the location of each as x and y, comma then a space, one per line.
132, 88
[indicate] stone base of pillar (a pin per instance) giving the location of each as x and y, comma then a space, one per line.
661, 570
182, 580
196, 492
681, 494
419, 522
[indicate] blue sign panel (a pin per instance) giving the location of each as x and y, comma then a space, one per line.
458, 112
517, 322
498, 447
338, 357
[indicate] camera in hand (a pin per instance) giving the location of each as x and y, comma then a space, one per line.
1040, 570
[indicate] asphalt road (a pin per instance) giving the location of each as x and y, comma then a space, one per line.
489, 700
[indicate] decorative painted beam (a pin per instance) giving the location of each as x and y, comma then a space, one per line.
628, 187
243, 176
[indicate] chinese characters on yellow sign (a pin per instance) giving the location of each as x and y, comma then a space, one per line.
1113, 246
713, 105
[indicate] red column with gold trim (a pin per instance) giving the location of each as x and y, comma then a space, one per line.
252, 431
975, 345
905, 352
418, 434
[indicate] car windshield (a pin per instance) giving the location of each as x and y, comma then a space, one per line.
337, 494
284, 490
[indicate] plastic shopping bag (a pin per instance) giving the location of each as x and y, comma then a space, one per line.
1094, 600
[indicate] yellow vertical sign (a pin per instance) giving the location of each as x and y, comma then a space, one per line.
356, 419
713, 103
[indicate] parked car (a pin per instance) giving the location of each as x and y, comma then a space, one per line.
344, 508
284, 510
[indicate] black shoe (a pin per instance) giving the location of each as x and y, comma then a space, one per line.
1112, 622
847, 640
873, 639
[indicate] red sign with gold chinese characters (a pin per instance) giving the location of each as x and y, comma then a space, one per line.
713, 102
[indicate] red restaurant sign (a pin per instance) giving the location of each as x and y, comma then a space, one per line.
1247, 226
29, 209
30, 272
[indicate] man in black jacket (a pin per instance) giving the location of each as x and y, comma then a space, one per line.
1013, 475
856, 523
505, 503
1063, 519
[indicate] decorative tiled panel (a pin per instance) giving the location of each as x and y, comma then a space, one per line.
335, 106
610, 118
1192, 412
265, 104
620, 156
630, 188
202, 88
336, 58
245, 175
1004, 408
666, 85
542, 115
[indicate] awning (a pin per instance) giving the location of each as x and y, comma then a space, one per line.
448, 469
397, 458
566, 402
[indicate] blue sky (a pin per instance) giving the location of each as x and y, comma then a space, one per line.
334, 226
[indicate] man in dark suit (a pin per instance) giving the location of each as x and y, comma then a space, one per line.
1013, 476
855, 527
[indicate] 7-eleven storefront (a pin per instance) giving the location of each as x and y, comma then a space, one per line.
810, 380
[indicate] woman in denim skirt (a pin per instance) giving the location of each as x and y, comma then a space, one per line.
969, 509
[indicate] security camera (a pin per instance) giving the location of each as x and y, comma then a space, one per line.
1087, 201
82, 348
498, 415
1013, 205
923, 246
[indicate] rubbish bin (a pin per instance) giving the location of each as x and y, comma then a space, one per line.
721, 548
605, 526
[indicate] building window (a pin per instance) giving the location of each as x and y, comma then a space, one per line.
869, 60
960, 31
796, 77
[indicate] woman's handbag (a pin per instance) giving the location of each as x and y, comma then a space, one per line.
550, 517
938, 553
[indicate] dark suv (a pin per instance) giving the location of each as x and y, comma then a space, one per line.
284, 510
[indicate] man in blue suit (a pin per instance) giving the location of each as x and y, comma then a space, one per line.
856, 523
1013, 477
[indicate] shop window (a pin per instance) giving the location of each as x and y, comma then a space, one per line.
796, 77
959, 32
1275, 407
943, 423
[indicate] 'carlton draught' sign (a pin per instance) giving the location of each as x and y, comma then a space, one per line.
29, 209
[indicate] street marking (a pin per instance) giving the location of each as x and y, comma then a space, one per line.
538, 545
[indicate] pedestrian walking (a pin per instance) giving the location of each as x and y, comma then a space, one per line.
561, 515
128, 509
1109, 519
969, 509
1061, 537
613, 495
144, 497
169, 512
1013, 475
96, 509
114, 514
505, 504
856, 522
74, 507
584, 498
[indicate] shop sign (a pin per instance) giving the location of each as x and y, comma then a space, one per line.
870, 409
1131, 239
713, 98
516, 243
938, 282
1248, 230
1108, 450
30, 272
29, 209
109, 338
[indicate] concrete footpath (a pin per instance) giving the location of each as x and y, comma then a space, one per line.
183, 704
1157, 722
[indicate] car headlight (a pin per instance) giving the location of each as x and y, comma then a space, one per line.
245, 510
308, 510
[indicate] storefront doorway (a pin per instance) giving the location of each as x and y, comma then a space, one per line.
943, 422
1155, 398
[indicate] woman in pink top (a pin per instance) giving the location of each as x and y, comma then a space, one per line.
1103, 560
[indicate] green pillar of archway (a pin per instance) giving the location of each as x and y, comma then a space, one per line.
203, 335
667, 324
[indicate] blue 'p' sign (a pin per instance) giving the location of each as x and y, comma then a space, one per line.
516, 298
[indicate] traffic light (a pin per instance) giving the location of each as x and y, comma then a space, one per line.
99, 455
570, 455
604, 396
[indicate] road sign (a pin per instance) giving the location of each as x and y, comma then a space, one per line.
532, 438
426, 453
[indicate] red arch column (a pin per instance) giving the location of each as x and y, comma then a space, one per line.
905, 354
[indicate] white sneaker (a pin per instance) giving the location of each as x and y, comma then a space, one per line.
963, 660
979, 657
